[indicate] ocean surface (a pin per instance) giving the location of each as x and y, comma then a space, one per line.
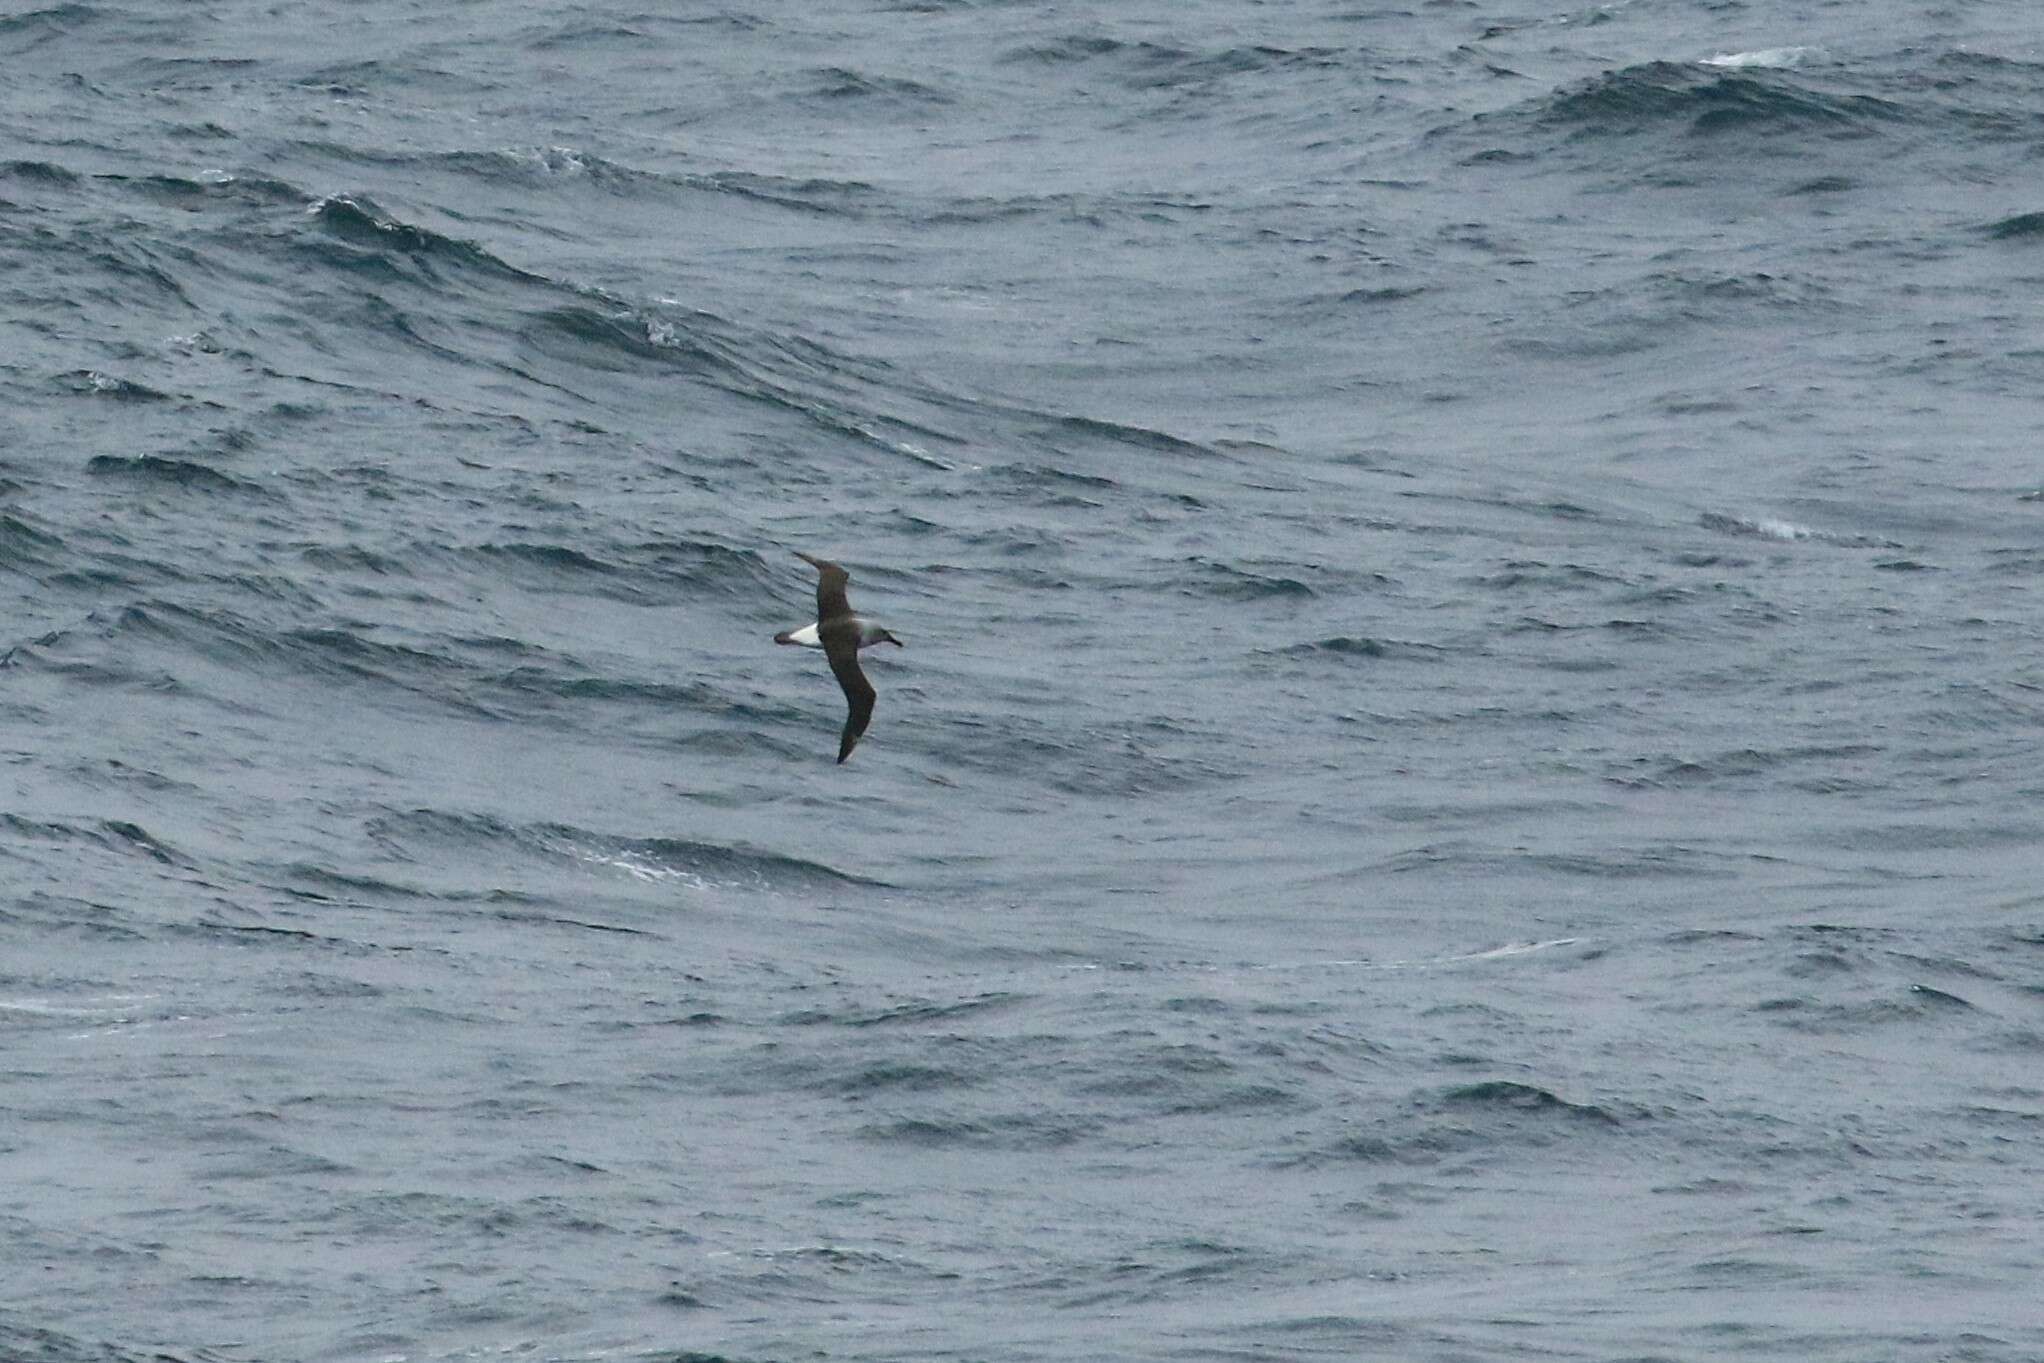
1466, 781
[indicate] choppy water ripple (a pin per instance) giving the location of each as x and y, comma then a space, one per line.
1461, 781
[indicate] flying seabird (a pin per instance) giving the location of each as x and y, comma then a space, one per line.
840, 634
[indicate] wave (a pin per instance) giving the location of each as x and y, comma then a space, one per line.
1363, 646
1465, 1117
1229, 582
1123, 434
1666, 861
112, 647
862, 400
1506, 1099
616, 338
2022, 227
1148, 65
50, 22
646, 572
1031, 1130
26, 547
1072, 47
97, 383
916, 1013
1748, 764
833, 198
209, 189
843, 83
1711, 100
117, 835
1823, 184
38, 172
1735, 295
1546, 579
183, 474
1115, 760
1787, 532
1049, 485
284, 629
1773, 58
421, 834
1093, 210
360, 223
529, 167
39, 1344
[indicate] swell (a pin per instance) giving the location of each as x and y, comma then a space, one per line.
1144, 65
372, 235
1706, 100
427, 834
114, 835
289, 641
342, 275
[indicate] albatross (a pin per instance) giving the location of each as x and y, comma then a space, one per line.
840, 634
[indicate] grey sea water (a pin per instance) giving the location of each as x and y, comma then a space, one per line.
1464, 782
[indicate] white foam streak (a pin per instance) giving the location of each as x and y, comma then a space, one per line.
1765, 58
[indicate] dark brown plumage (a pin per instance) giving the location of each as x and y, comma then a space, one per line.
841, 634
831, 580
841, 646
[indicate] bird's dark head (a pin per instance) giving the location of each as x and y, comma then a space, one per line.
887, 638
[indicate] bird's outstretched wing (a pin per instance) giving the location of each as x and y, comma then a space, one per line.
842, 648
830, 587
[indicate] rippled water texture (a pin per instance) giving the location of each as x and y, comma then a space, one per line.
1463, 782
